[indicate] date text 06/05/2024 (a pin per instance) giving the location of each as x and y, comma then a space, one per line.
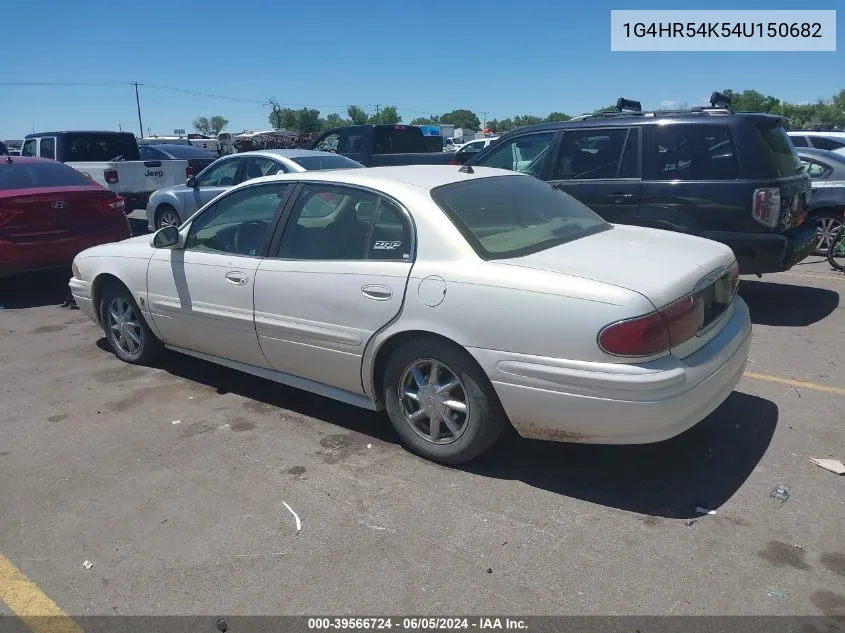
416, 623
724, 29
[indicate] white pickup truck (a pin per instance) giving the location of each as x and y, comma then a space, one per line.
110, 159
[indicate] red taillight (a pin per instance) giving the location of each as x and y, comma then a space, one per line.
113, 204
189, 171
766, 206
111, 176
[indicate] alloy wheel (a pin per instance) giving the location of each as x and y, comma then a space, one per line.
434, 401
125, 327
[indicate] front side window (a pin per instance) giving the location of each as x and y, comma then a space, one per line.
511, 216
694, 152
48, 147
343, 223
28, 148
472, 148
526, 154
238, 223
330, 143
258, 166
591, 154
220, 174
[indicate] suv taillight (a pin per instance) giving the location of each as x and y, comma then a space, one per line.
766, 209
111, 176
189, 171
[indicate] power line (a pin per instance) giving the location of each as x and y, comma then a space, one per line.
64, 83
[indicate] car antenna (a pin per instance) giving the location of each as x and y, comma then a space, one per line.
466, 169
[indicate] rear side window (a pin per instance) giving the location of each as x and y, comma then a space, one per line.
822, 142
318, 163
48, 147
694, 152
101, 147
35, 175
777, 151
399, 140
596, 154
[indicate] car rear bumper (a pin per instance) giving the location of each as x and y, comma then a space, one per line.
19, 258
768, 252
609, 403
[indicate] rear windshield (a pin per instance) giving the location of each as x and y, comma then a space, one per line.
184, 151
402, 140
34, 175
100, 147
777, 150
318, 163
512, 216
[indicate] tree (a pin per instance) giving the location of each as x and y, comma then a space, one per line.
210, 127
557, 116
334, 120
357, 115
388, 115
426, 120
307, 120
284, 119
461, 118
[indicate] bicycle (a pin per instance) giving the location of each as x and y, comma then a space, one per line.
837, 251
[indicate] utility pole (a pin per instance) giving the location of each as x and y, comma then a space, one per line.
138, 103
378, 106
484, 120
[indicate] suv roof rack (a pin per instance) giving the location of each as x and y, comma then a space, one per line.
720, 103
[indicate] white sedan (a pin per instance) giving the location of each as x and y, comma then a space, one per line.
459, 300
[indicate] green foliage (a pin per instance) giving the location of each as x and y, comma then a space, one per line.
461, 118
210, 127
388, 115
357, 115
426, 120
801, 115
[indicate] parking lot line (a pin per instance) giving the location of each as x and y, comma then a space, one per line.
795, 383
30, 604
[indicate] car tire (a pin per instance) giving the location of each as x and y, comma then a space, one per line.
826, 221
464, 435
126, 330
164, 211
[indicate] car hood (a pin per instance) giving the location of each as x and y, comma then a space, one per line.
138, 246
661, 265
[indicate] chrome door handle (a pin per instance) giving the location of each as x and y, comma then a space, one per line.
238, 279
377, 292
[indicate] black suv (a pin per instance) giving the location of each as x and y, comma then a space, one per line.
731, 177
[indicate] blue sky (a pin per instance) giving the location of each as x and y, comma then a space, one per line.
499, 57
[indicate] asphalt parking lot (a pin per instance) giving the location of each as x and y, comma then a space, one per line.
190, 518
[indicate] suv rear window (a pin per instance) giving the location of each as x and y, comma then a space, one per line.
777, 151
695, 152
512, 216
35, 175
100, 147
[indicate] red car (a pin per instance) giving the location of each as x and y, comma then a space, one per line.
49, 212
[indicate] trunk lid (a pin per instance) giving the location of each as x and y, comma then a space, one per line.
59, 213
661, 265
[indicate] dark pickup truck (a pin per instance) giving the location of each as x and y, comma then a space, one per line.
382, 145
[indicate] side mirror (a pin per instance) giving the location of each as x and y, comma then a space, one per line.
166, 237
192, 182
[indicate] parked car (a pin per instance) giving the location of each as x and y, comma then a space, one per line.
457, 301
829, 140
197, 157
465, 151
49, 212
730, 177
4, 151
381, 145
111, 159
827, 206
173, 205
451, 145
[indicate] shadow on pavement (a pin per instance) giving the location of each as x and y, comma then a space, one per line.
787, 305
138, 226
703, 467
30, 290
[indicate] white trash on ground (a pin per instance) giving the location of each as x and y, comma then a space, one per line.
833, 465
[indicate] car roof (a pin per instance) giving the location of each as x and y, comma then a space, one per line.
424, 177
821, 154
285, 153
828, 134
37, 134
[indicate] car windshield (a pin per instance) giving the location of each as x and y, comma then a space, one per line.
35, 175
319, 163
511, 216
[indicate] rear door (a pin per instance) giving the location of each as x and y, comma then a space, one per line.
335, 276
601, 168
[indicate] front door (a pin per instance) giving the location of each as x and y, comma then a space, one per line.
201, 296
601, 168
335, 277
211, 182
